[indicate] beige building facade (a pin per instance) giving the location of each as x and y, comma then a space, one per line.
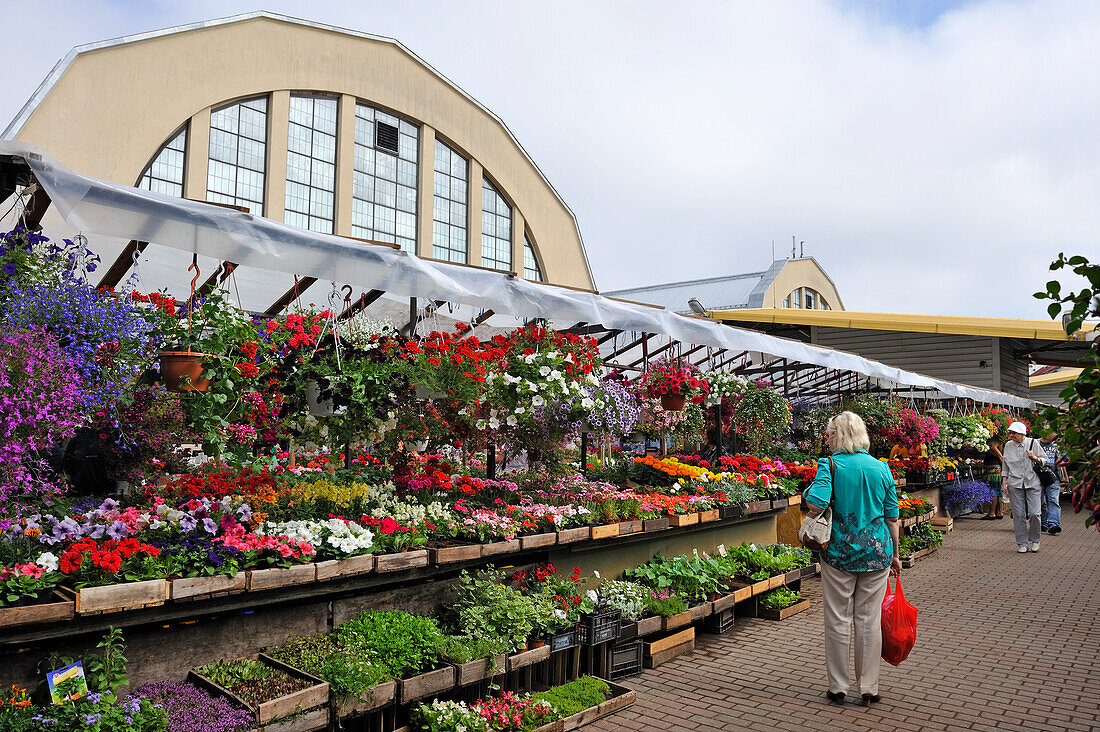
328, 129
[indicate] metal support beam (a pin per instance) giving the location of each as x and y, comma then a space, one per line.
122, 264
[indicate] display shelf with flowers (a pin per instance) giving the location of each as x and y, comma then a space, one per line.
28, 593
674, 382
269, 689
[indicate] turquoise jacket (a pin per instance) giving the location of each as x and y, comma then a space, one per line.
866, 496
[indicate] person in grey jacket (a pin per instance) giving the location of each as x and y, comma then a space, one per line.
1025, 491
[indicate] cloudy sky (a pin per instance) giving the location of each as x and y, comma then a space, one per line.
933, 155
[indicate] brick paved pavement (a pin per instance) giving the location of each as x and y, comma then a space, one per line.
1038, 674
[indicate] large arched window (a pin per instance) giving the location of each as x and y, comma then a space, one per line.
496, 229
238, 152
806, 298
531, 268
449, 205
384, 187
164, 174
311, 163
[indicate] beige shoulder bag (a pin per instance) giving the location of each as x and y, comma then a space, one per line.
817, 531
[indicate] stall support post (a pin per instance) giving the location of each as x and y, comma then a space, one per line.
490, 460
584, 452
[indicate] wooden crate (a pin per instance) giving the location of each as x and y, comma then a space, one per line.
942, 523
524, 659
650, 625
308, 722
376, 697
785, 612
605, 531
426, 684
452, 554
500, 547
630, 527
731, 512
758, 507
776, 581
577, 533
658, 524
114, 598
57, 607
269, 579
780, 503
193, 588
315, 695
676, 621
761, 586
347, 567
538, 541
683, 519
482, 668
701, 611
909, 562
795, 499
672, 646
400, 561
708, 516
723, 602
621, 698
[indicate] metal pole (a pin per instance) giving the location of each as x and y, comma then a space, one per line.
490, 459
584, 452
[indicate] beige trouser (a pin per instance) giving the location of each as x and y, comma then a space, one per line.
853, 598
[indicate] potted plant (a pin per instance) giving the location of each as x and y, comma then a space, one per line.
674, 382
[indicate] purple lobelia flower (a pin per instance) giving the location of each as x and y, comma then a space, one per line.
191, 709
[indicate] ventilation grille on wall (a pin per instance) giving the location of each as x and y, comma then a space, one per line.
385, 137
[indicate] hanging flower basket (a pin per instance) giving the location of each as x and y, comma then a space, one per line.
317, 406
175, 365
672, 402
418, 445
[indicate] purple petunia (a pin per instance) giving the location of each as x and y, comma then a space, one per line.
209, 525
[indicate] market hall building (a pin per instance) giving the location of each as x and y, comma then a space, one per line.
328, 129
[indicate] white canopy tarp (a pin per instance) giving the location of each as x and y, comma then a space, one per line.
97, 207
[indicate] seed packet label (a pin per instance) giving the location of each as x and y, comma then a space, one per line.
67, 683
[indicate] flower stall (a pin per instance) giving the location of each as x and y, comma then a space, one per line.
246, 486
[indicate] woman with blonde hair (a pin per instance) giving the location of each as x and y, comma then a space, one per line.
861, 555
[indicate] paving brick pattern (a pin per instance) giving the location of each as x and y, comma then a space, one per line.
1005, 641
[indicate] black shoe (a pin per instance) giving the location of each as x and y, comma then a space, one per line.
869, 699
1001, 516
987, 517
837, 698
1054, 530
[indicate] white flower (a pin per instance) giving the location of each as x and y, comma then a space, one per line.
722, 549
544, 370
592, 595
48, 561
537, 400
512, 421
596, 573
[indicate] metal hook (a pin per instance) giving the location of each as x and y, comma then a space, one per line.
347, 296
195, 279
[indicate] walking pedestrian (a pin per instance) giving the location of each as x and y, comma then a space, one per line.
1052, 494
861, 555
1024, 488
993, 459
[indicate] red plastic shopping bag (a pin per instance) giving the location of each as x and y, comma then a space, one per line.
899, 625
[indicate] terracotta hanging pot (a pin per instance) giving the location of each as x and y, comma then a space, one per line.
175, 365
672, 402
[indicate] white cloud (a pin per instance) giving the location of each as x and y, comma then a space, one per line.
934, 169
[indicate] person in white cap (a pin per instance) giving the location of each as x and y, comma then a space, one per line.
1025, 491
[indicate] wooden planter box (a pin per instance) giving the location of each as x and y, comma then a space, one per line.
621, 698
776, 581
724, 602
268, 579
605, 531
452, 554
308, 722
427, 684
811, 570
785, 612
628, 630
401, 560
126, 596
524, 659
780, 503
376, 697
665, 649
743, 593
630, 527
731, 512
312, 696
659, 524
57, 606
500, 547
761, 586
757, 507
347, 567
191, 588
701, 611
793, 576
577, 533
482, 668
683, 519
677, 621
650, 625
538, 541
909, 562
795, 499
708, 515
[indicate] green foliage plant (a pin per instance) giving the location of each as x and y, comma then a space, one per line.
403, 644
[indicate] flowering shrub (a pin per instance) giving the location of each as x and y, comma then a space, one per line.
39, 406
965, 432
